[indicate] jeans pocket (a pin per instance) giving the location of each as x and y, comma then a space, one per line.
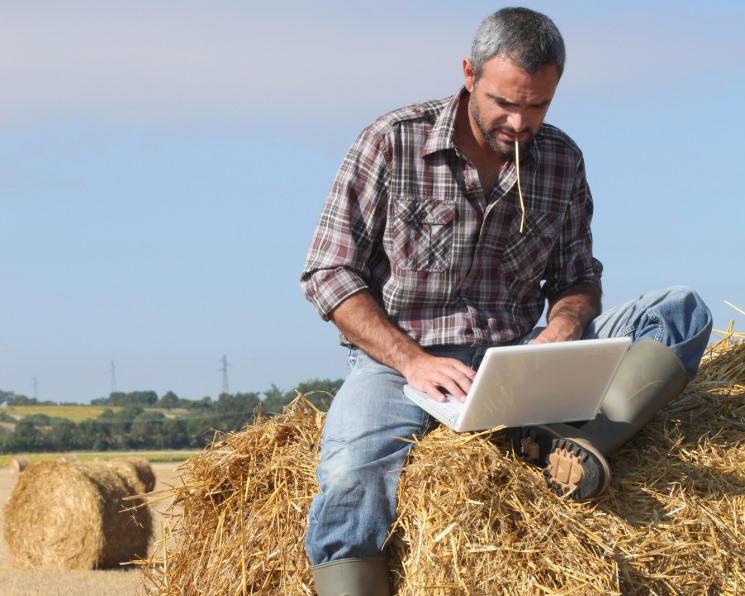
422, 233
357, 359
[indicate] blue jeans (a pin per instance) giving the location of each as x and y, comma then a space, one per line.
364, 450
676, 317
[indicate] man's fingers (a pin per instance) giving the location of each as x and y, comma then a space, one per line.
447, 376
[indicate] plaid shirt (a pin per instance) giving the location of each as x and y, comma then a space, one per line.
407, 219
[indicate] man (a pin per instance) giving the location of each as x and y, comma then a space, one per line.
430, 250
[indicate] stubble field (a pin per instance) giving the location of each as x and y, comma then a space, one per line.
116, 582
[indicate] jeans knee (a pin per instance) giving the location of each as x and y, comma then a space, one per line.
347, 469
688, 325
696, 314
341, 473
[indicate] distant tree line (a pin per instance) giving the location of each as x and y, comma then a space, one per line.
142, 420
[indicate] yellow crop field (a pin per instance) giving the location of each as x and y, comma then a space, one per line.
76, 413
167, 456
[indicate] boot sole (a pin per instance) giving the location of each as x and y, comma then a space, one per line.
572, 467
576, 470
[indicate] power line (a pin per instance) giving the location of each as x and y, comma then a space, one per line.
113, 376
224, 369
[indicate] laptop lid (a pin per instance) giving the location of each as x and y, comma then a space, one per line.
532, 384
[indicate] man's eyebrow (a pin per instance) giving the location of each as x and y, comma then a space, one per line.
508, 102
502, 100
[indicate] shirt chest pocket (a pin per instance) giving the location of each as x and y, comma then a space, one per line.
420, 234
527, 253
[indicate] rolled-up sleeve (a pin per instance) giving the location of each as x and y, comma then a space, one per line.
350, 226
572, 262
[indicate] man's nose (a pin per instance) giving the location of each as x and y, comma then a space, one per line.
516, 120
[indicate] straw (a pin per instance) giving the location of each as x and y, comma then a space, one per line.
474, 520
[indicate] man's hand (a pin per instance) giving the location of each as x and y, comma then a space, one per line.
364, 323
437, 376
570, 313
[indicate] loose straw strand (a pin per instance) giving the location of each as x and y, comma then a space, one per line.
519, 188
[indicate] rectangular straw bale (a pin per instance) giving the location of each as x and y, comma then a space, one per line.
473, 520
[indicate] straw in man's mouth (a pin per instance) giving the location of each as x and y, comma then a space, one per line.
519, 188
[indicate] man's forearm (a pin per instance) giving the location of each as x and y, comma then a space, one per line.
361, 319
570, 313
363, 322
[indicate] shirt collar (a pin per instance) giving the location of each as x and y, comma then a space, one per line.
442, 135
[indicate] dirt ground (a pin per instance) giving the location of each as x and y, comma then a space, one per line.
118, 582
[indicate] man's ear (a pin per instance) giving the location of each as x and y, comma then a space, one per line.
468, 74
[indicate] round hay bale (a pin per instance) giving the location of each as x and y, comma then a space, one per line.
138, 470
144, 472
70, 515
69, 457
18, 465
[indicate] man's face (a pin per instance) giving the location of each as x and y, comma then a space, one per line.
507, 103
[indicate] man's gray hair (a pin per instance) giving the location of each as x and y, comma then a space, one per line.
528, 38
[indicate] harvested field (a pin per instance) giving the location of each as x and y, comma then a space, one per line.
472, 520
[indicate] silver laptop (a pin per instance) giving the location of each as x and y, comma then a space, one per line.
532, 384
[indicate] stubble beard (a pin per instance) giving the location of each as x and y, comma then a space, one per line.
490, 135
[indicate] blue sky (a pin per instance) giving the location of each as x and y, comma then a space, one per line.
163, 164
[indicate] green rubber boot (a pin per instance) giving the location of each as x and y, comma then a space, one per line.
353, 577
650, 376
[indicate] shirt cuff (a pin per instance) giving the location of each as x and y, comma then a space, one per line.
328, 288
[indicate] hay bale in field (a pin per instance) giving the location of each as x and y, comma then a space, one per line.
142, 470
243, 505
70, 515
18, 465
472, 520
